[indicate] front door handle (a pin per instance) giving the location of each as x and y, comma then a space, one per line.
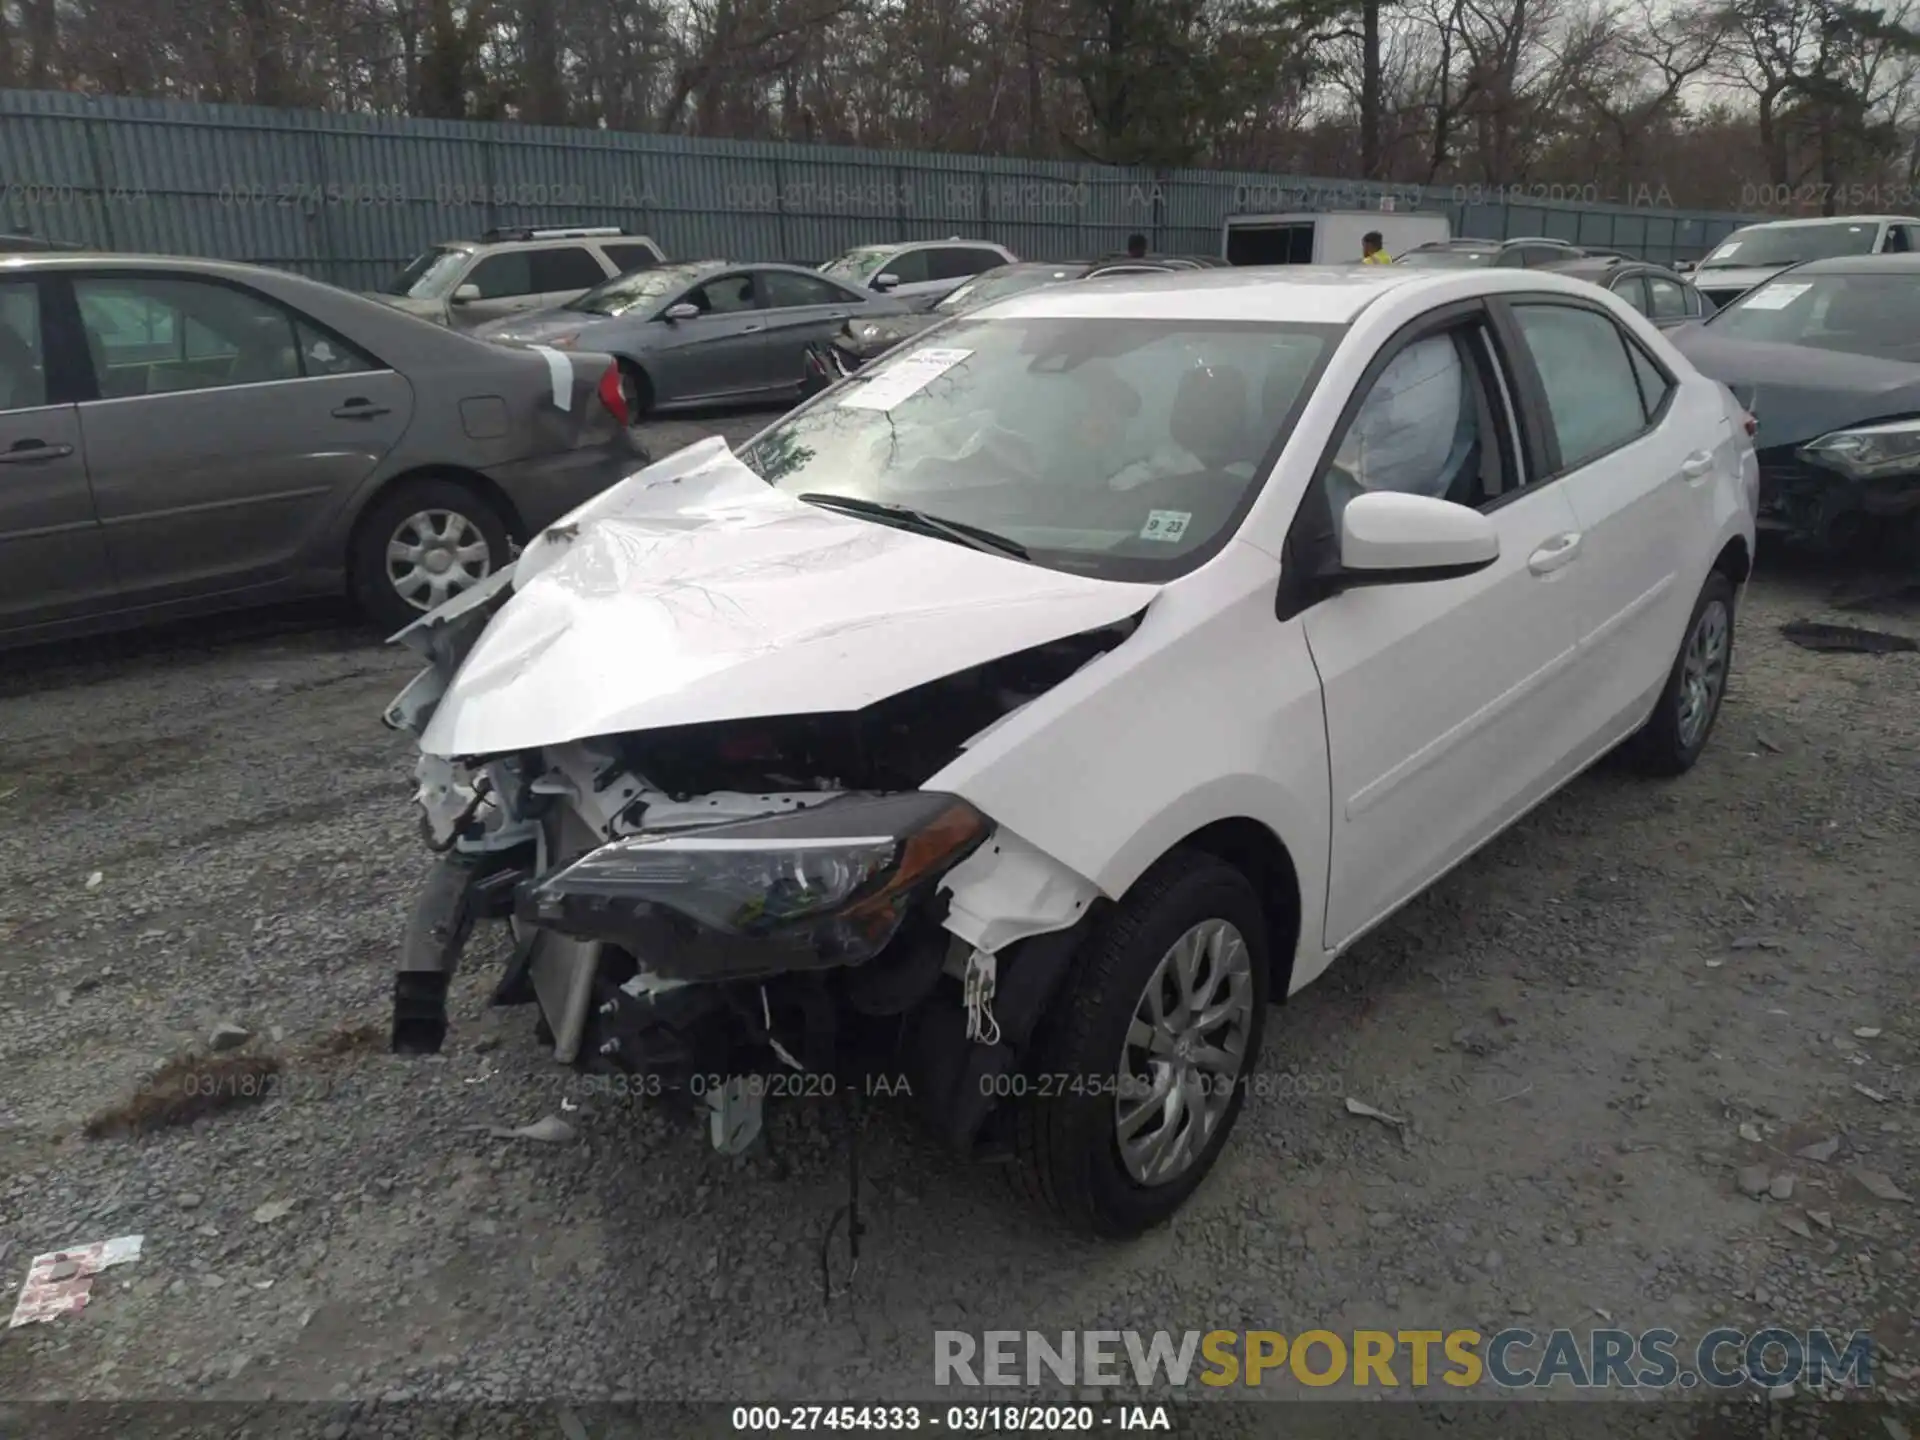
1697, 465
750, 329
359, 409
29, 452
1558, 551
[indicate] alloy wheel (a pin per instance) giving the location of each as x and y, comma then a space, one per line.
1703, 672
1184, 1052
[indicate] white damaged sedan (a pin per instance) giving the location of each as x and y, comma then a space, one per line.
1025, 713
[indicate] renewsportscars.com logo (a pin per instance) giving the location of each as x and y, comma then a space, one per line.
1516, 1359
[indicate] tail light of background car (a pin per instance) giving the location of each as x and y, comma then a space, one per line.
1752, 425
614, 396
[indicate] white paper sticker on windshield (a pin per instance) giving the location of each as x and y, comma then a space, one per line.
1166, 525
1728, 249
1777, 297
906, 376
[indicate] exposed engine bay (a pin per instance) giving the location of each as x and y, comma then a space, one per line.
728, 909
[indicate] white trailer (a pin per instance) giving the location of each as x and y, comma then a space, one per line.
1324, 237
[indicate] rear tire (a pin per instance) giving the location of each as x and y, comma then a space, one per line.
452, 520
1683, 718
1075, 1153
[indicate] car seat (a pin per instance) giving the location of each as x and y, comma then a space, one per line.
1209, 416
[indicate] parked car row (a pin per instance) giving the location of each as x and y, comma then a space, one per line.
181, 435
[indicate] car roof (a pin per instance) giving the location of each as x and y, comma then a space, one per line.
1301, 294
1814, 220
1908, 264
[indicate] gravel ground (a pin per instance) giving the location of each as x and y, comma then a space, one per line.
1594, 1031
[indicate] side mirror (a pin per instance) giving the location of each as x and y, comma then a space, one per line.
884, 283
1387, 538
673, 314
465, 294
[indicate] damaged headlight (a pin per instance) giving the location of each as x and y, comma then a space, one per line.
815, 888
1869, 452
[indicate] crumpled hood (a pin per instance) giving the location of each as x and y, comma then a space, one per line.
539, 326
694, 592
1797, 393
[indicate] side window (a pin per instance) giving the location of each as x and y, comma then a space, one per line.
571, 267
980, 261
628, 258
1899, 240
1633, 290
1427, 427
322, 354
502, 276
728, 295
151, 335
1512, 258
909, 267
1654, 386
1593, 397
23, 362
1669, 299
786, 291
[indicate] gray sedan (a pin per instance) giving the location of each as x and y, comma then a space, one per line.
178, 436
703, 333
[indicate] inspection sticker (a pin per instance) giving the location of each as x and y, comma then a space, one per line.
1777, 297
906, 376
1165, 525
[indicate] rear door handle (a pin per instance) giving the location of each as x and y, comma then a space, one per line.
359, 410
29, 452
1558, 551
1697, 465
751, 329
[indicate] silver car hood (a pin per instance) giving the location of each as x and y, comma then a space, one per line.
694, 592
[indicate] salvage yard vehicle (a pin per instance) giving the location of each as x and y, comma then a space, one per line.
511, 271
1826, 356
1033, 707
703, 332
1755, 254
183, 436
863, 338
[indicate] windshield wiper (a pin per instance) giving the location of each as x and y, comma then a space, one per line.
972, 536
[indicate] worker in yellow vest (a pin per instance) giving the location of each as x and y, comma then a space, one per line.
1373, 249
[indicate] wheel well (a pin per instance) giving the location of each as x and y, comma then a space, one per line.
639, 373
1256, 852
472, 479
1734, 561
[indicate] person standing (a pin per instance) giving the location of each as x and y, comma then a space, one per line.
1373, 249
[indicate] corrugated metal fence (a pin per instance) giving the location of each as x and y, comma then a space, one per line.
349, 198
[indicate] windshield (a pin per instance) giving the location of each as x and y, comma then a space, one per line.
1790, 244
1446, 259
997, 285
626, 292
860, 264
1876, 315
1120, 448
430, 274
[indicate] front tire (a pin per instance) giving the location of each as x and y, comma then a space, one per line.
638, 391
420, 544
1141, 1069
1675, 734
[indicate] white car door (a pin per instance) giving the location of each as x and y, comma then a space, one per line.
1634, 453
1446, 699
